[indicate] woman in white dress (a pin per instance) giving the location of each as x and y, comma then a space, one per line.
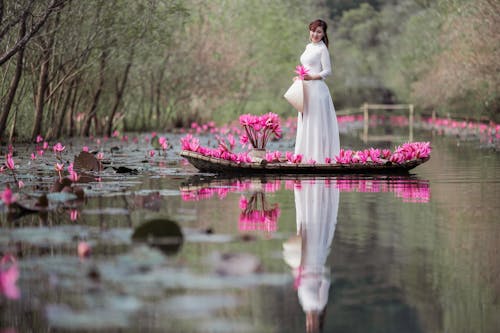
317, 128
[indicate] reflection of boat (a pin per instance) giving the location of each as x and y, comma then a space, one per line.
407, 187
219, 165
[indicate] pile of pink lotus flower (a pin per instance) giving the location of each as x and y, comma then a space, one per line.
405, 152
258, 129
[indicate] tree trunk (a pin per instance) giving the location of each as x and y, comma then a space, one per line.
93, 108
21, 43
40, 95
14, 84
119, 94
60, 123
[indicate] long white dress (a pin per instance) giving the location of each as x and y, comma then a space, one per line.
317, 128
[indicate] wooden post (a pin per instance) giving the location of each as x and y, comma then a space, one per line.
410, 122
365, 123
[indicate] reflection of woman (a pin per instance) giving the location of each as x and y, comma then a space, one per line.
316, 207
317, 128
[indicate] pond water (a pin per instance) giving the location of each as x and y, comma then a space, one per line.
173, 250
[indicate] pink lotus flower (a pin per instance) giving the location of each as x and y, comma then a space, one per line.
292, 158
9, 274
85, 149
74, 214
45, 145
59, 167
83, 249
344, 157
151, 153
39, 138
20, 184
258, 129
73, 176
33, 156
58, 148
8, 197
100, 156
10, 162
301, 71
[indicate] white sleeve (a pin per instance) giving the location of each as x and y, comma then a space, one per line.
325, 63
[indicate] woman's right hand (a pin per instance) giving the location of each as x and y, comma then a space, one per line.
295, 78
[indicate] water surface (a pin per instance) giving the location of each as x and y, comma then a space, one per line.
416, 253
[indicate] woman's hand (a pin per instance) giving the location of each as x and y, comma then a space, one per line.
308, 77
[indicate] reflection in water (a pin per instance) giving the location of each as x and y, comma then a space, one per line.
258, 214
316, 205
409, 189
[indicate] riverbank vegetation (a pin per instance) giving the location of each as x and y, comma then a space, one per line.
86, 68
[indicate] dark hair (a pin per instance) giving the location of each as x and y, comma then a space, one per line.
320, 23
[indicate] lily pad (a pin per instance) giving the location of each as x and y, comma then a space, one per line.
163, 234
86, 161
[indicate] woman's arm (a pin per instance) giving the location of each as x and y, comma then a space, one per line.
325, 65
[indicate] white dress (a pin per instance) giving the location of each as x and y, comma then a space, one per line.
317, 128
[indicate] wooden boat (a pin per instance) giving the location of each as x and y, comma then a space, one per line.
218, 165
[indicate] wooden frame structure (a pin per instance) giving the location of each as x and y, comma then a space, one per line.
366, 107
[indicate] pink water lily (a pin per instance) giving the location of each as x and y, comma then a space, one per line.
9, 274
8, 197
301, 71
73, 176
292, 158
83, 249
9, 162
58, 148
258, 129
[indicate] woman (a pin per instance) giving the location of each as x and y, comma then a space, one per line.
317, 129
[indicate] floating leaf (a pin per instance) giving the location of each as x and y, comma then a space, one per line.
163, 234
124, 169
86, 161
60, 185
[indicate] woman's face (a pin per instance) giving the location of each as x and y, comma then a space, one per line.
316, 35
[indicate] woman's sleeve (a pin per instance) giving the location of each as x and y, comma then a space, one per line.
325, 63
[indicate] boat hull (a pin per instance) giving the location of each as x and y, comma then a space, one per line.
218, 165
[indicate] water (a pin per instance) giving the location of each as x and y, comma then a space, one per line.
415, 253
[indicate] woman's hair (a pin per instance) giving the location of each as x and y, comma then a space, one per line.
320, 23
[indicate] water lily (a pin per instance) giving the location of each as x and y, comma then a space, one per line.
9, 162
39, 138
301, 71
8, 197
58, 148
9, 274
73, 176
74, 214
59, 167
83, 249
